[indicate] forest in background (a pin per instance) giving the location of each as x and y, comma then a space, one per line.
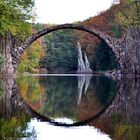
56, 52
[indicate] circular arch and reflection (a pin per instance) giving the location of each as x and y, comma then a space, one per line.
34, 37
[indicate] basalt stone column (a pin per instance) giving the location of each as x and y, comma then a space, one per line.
131, 52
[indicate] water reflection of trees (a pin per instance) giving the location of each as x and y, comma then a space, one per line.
15, 128
105, 89
100, 93
31, 91
120, 119
57, 96
13, 122
61, 94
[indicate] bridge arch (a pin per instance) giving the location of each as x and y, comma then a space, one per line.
17, 52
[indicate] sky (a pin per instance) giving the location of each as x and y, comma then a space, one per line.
68, 11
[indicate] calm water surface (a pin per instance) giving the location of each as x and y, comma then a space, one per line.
69, 107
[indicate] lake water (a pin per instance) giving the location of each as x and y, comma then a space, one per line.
66, 107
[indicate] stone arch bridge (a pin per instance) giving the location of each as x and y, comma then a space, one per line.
127, 52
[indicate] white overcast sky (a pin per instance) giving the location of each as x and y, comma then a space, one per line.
68, 11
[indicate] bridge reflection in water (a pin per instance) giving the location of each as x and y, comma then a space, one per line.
112, 106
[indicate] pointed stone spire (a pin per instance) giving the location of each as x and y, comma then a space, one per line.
87, 65
81, 65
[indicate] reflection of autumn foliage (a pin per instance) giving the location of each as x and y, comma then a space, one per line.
31, 91
89, 106
100, 92
126, 132
117, 128
61, 95
105, 125
15, 128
